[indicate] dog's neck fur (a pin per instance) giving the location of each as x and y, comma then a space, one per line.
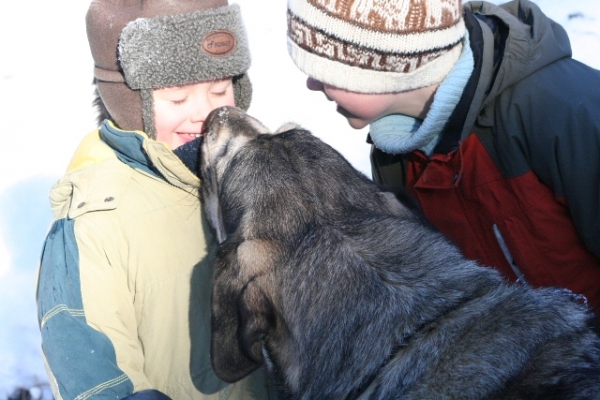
404, 322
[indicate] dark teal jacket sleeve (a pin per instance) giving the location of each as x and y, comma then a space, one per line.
80, 359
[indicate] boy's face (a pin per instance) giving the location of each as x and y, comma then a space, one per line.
179, 111
360, 109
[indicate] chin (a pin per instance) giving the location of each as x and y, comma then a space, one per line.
353, 120
357, 124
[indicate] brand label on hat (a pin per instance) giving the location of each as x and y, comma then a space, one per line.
218, 43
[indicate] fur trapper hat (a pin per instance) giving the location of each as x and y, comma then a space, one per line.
376, 46
141, 45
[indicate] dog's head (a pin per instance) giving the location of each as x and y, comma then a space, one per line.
227, 130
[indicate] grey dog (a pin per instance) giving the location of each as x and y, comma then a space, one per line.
345, 293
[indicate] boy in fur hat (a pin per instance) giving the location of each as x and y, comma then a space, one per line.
481, 113
125, 275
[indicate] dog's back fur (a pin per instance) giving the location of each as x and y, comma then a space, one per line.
346, 293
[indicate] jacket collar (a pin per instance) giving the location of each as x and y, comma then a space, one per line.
135, 149
463, 117
128, 147
509, 43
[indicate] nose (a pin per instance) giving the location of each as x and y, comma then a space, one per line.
201, 110
313, 84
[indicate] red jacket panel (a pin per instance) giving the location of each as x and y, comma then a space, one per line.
464, 195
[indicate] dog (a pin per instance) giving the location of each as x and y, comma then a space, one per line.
346, 293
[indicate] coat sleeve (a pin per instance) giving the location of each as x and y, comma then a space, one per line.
81, 359
553, 123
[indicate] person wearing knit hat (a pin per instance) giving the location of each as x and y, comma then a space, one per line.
124, 281
480, 113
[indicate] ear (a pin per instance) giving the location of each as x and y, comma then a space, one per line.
287, 127
241, 315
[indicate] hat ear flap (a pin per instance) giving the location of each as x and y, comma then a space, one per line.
242, 91
148, 112
123, 104
100, 106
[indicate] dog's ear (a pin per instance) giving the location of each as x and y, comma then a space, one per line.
241, 312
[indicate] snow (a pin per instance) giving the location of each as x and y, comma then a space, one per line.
45, 109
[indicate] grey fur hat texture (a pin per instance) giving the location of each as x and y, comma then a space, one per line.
141, 45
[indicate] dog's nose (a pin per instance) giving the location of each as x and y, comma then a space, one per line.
212, 117
221, 116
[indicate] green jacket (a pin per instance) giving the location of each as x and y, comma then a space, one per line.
125, 277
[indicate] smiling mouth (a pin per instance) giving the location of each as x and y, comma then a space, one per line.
189, 135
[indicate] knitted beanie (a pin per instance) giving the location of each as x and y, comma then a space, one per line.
141, 45
375, 46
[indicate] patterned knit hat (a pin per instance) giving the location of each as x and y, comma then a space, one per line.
141, 45
375, 46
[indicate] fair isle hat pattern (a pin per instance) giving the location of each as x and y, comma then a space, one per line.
375, 46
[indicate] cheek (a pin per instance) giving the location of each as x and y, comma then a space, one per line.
361, 106
166, 118
370, 110
356, 105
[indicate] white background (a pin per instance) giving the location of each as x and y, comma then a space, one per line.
45, 109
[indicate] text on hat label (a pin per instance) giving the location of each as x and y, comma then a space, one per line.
219, 43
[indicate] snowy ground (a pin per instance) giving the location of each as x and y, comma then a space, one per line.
45, 96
